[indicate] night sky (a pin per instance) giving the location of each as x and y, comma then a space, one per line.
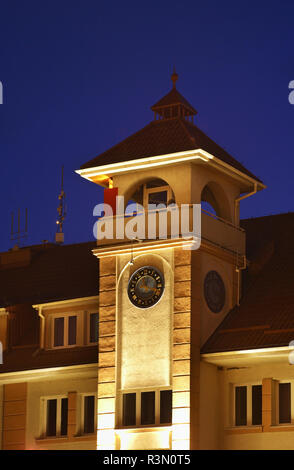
80, 76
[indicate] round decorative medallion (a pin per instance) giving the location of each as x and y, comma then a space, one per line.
145, 287
214, 291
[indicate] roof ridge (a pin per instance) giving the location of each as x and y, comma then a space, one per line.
173, 97
183, 122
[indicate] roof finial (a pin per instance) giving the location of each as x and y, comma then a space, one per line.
174, 77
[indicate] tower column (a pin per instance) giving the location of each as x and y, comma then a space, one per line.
186, 350
106, 359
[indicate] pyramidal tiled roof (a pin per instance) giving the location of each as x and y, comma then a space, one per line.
173, 98
172, 131
161, 137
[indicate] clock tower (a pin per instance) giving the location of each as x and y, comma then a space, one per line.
161, 297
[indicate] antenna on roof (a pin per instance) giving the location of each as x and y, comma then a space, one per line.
18, 234
61, 209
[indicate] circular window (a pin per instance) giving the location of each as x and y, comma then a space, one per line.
214, 291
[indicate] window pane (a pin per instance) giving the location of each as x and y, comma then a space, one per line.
129, 409
256, 404
241, 406
89, 410
51, 417
64, 410
58, 331
166, 406
285, 403
94, 328
72, 330
147, 407
158, 198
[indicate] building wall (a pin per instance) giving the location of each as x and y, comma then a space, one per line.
48, 383
218, 395
210, 407
216, 260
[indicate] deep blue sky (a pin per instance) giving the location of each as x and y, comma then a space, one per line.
79, 76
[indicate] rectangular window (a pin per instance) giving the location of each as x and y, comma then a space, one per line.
285, 403
165, 406
72, 330
51, 417
129, 409
64, 413
93, 327
89, 414
56, 417
147, 408
58, 332
153, 194
256, 404
241, 406
159, 197
65, 331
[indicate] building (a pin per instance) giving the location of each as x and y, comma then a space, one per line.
193, 343
48, 329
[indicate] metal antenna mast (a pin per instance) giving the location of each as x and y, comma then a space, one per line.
19, 234
61, 209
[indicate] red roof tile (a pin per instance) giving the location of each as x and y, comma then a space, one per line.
265, 317
53, 272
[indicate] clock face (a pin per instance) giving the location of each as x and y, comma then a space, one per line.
145, 287
214, 291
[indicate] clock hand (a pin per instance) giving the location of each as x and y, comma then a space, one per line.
143, 285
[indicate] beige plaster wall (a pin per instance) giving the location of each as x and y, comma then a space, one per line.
177, 176
144, 335
279, 437
210, 407
187, 181
51, 386
209, 319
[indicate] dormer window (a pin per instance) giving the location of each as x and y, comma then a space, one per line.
69, 323
66, 330
72, 329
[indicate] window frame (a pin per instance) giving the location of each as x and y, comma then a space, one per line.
44, 417
87, 327
79, 329
248, 405
138, 393
277, 402
147, 191
82, 413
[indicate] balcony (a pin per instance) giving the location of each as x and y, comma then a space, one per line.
171, 224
